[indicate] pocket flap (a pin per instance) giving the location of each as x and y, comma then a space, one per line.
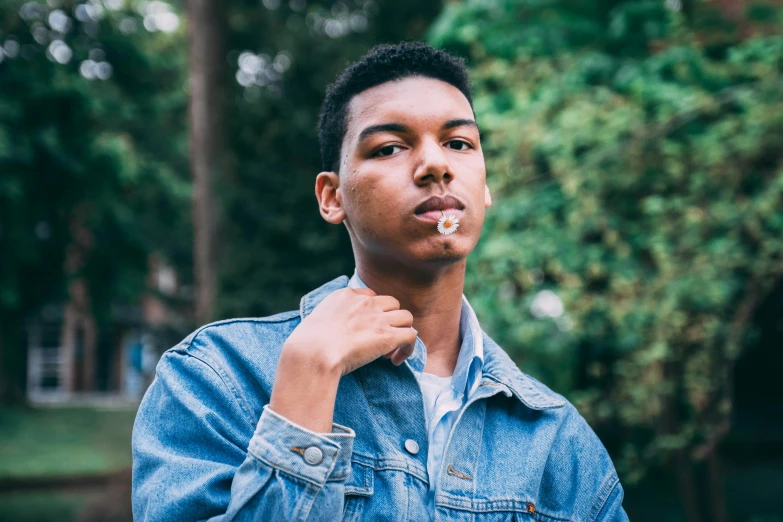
360, 482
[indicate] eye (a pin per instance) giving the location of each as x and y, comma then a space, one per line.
388, 150
459, 145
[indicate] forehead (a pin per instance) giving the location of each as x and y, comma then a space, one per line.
414, 101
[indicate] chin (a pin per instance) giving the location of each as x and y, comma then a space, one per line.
446, 250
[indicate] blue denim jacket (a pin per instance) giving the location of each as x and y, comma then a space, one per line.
205, 447
449, 402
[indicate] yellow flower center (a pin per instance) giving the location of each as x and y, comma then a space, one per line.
447, 223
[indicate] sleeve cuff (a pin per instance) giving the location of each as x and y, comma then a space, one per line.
315, 457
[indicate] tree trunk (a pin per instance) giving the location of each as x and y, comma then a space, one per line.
687, 487
207, 23
13, 360
717, 499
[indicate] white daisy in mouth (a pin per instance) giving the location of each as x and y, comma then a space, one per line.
448, 224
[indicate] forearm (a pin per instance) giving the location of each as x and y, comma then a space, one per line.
305, 390
190, 464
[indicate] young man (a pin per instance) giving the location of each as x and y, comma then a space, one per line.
380, 398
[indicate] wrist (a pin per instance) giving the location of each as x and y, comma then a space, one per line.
305, 388
318, 363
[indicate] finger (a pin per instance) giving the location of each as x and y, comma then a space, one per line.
403, 336
399, 318
405, 342
397, 357
386, 303
400, 354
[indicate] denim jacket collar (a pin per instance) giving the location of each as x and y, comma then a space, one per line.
498, 366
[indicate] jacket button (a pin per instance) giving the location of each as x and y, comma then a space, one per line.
411, 446
313, 455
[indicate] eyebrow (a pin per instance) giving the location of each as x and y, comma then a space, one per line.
399, 127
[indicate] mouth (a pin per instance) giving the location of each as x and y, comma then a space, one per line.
432, 209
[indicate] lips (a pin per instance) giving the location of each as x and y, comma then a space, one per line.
433, 208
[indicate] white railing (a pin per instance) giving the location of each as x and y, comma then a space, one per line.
45, 372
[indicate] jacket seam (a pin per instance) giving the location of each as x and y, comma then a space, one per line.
367, 488
308, 486
601, 501
305, 513
377, 425
386, 463
223, 379
480, 437
278, 318
282, 318
538, 515
514, 504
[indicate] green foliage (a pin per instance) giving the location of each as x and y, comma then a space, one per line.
110, 156
79, 153
99, 167
511, 29
641, 188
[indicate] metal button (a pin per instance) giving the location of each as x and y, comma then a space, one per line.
313, 455
411, 446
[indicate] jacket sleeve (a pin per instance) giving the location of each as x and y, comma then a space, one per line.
196, 456
610, 508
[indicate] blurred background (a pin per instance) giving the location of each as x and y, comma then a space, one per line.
157, 162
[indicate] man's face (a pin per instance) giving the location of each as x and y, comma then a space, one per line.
411, 152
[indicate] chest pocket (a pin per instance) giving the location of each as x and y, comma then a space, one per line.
358, 490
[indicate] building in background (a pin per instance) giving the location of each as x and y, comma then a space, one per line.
71, 360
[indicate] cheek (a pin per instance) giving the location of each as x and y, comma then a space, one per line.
364, 198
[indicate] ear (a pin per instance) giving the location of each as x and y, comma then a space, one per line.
330, 200
487, 197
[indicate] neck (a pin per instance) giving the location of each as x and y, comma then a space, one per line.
435, 300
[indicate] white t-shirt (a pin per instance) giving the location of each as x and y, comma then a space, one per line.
431, 388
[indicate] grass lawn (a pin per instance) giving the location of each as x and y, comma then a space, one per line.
42, 506
63, 441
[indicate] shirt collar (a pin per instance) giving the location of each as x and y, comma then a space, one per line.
467, 372
497, 366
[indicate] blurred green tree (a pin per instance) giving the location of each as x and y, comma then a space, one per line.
93, 172
634, 154
94, 151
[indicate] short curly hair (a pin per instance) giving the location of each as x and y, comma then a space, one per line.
383, 63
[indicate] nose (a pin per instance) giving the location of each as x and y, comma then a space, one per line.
433, 166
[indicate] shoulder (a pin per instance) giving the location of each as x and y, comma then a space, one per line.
578, 467
241, 337
237, 356
574, 444
577, 474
